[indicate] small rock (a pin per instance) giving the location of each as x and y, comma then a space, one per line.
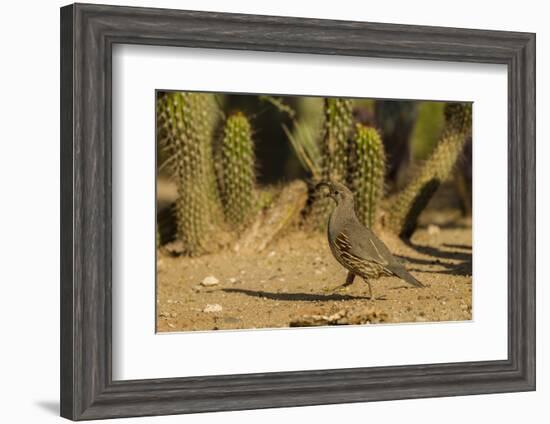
212, 307
233, 280
271, 254
210, 281
171, 325
433, 230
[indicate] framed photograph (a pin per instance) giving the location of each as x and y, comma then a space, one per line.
262, 212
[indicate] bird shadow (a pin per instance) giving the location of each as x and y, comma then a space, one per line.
308, 297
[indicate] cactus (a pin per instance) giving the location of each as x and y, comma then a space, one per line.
237, 179
338, 125
407, 205
367, 173
458, 118
338, 120
185, 130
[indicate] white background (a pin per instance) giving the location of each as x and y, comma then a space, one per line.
138, 70
29, 228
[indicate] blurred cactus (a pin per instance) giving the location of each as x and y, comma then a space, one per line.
367, 173
237, 179
335, 154
458, 118
407, 205
395, 120
428, 129
185, 130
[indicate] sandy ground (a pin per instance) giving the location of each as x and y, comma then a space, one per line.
291, 284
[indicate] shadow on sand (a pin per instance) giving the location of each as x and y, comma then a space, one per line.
308, 297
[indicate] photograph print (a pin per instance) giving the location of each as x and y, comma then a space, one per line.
293, 211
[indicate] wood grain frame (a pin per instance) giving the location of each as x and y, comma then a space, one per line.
88, 33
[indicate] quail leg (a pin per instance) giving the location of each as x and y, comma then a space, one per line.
370, 289
371, 297
349, 281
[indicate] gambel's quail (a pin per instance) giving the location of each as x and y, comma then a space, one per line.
355, 246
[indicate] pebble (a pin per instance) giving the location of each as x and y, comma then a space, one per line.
233, 280
212, 307
433, 230
210, 281
271, 254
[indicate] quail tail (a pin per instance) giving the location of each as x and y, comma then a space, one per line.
402, 273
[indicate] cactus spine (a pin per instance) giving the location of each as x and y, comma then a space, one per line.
335, 153
237, 179
411, 201
368, 170
185, 129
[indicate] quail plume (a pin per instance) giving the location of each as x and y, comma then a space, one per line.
355, 246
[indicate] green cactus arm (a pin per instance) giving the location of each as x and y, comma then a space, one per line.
337, 129
338, 126
367, 173
184, 124
407, 205
238, 176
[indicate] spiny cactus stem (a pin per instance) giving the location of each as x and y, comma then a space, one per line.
368, 170
237, 179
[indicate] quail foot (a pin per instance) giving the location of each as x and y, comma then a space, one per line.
355, 246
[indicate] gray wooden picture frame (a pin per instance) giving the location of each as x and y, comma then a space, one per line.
88, 33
